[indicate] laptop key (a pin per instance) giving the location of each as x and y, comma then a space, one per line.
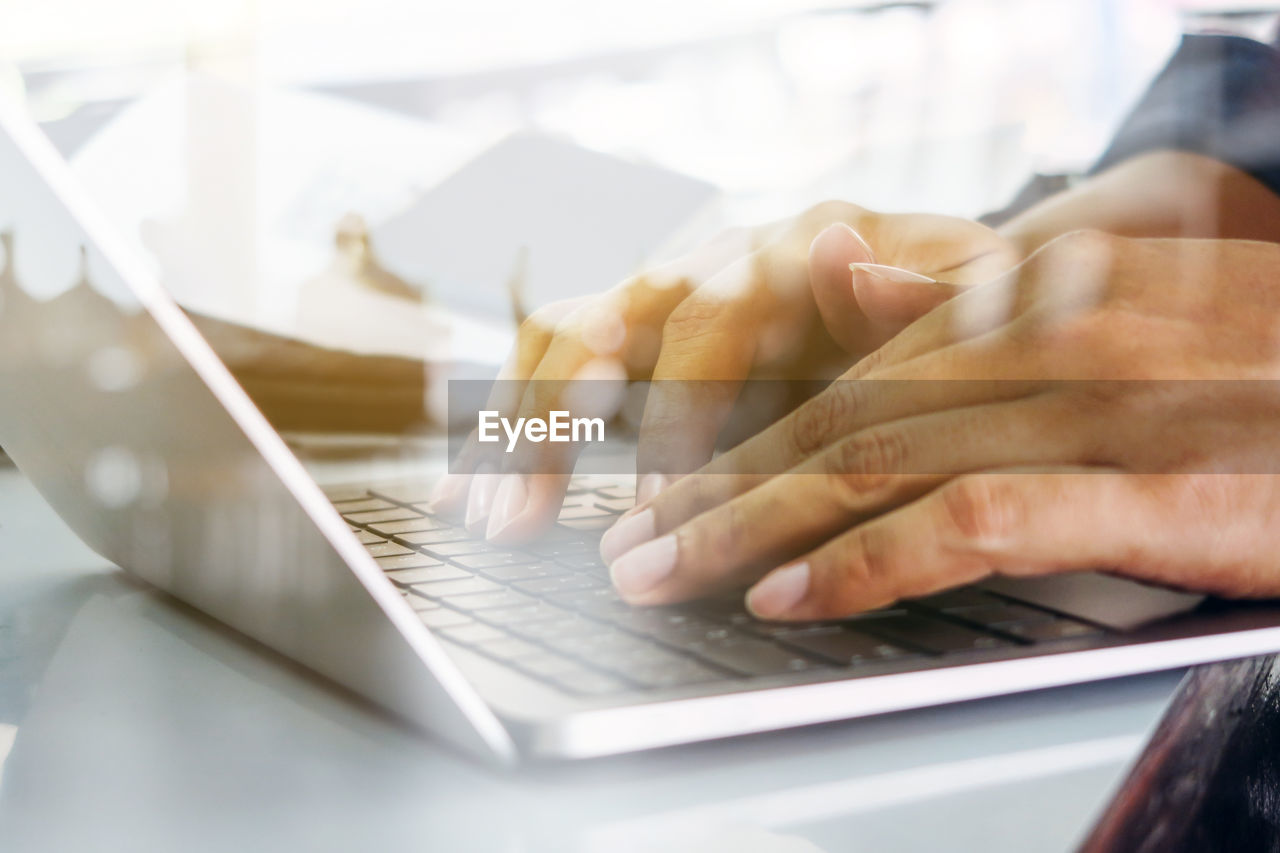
751, 657
641, 621
620, 490
750, 624
365, 504
407, 561
487, 600
506, 574
426, 575
677, 673
998, 615
411, 525
684, 629
931, 635
464, 586
1059, 629
588, 683
596, 523
434, 537
490, 559
537, 612
405, 493
546, 665
553, 629
587, 561
510, 649
345, 494
603, 601
603, 647
846, 648
563, 550
419, 603
569, 513
565, 583
386, 549
958, 599
777, 630
441, 618
364, 537
617, 506
394, 514
473, 633
455, 549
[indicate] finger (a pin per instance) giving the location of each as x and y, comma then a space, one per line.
451, 493
864, 475
1059, 278
1014, 523
933, 383
614, 333
571, 379
966, 315
961, 353
937, 382
709, 345
891, 302
830, 254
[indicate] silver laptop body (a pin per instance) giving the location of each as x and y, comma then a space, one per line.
137, 434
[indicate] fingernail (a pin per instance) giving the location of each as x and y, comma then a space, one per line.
508, 502
629, 532
854, 233
641, 569
650, 485
780, 591
480, 499
894, 274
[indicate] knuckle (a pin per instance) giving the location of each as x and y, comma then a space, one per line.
823, 418
1085, 241
832, 210
539, 325
982, 508
863, 465
1097, 343
721, 538
691, 318
865, 571
869, 363
1200, 495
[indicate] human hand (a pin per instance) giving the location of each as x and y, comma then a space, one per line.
1109, 404
743, 306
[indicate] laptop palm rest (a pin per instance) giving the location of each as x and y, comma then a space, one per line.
1103, 599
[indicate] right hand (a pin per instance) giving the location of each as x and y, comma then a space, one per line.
776, 301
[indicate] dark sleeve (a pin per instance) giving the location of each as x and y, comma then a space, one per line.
1218, 96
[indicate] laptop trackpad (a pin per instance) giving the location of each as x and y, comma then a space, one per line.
1114, 602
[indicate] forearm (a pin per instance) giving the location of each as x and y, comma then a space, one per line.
1161, 194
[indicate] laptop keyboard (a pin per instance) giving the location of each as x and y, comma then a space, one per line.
548, 610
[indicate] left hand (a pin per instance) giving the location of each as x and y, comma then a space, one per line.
899, 481
775, 301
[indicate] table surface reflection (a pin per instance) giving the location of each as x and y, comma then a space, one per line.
133, 723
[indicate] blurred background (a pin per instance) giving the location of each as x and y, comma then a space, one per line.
940, 105
765, 98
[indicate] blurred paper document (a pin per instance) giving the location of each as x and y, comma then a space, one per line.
565, 220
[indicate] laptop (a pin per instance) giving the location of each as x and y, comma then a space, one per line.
128, 423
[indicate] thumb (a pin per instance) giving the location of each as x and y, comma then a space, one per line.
863, 303
891, 299
830, 254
